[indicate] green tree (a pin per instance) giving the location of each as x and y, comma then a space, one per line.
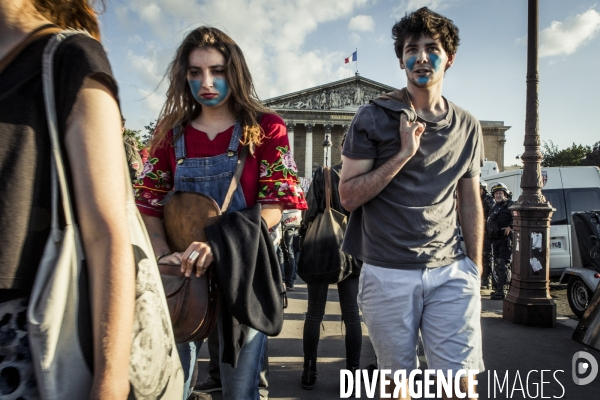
149, 132
571, 156
593, 157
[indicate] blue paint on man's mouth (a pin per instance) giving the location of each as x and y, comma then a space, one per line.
423, 80
220, 85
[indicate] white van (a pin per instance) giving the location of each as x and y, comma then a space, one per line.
489, 168
568, 189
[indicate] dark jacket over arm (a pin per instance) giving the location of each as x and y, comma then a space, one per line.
249, 276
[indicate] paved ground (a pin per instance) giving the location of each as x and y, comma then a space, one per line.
510, 351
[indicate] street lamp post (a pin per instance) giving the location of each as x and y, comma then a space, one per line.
326, 145
528, 301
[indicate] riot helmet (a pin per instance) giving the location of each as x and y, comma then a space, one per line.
501, 186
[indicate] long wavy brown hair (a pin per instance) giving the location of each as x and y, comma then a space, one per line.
74, 14
181, 107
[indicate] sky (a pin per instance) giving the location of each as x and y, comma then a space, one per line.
292, 45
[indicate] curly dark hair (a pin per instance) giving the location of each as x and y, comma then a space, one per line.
425, 22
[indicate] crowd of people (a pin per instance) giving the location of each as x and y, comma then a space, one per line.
405, 156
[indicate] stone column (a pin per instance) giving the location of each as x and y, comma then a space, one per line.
501, 143
290, 132
308, 156
327, 149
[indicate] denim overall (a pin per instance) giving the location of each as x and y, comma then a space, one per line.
212, 176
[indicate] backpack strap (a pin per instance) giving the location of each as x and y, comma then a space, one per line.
327, 174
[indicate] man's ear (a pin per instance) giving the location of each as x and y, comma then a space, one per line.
450, 61
401, 64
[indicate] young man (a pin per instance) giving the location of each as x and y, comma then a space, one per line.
406, 154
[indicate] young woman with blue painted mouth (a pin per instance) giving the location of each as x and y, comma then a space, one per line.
212, 118
207, 79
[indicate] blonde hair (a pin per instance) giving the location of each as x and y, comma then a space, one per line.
181, 107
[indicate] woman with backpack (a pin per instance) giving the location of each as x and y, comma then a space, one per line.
317, 292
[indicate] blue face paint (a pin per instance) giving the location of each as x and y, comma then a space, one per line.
220, 85
436, 61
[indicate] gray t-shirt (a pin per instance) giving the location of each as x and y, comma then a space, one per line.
412, 222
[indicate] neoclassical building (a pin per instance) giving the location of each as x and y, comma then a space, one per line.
321, 115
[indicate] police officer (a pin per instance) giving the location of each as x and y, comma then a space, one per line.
499, 229
488, 204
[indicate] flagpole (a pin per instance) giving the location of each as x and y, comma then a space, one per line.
356, 62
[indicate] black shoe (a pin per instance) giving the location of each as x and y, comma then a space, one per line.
208, 385
309, 374
289, 288
497, 295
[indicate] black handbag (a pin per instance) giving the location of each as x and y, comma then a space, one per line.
321, 258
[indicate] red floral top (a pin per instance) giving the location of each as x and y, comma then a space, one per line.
270, 176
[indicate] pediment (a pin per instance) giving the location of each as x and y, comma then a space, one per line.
344, 95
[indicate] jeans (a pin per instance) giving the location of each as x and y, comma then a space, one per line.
241, 383
280, 259
214, 369
317, 297
188, 354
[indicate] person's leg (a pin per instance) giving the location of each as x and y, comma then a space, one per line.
241, 382
213, 353
348, 291
487, 252
494, 258
296, 247
317, 298
450, 325
501, 272
263, 383
188, 353
393, 330
213, 382
279, 253
288, 247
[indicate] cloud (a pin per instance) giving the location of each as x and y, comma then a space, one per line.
271, 34
362, 23
435, 5
354, 38
153, 102
135, 39
145, 68
564, 38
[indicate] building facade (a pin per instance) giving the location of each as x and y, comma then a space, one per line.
317, 118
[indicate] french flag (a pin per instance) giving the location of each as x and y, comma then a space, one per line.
353, 57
